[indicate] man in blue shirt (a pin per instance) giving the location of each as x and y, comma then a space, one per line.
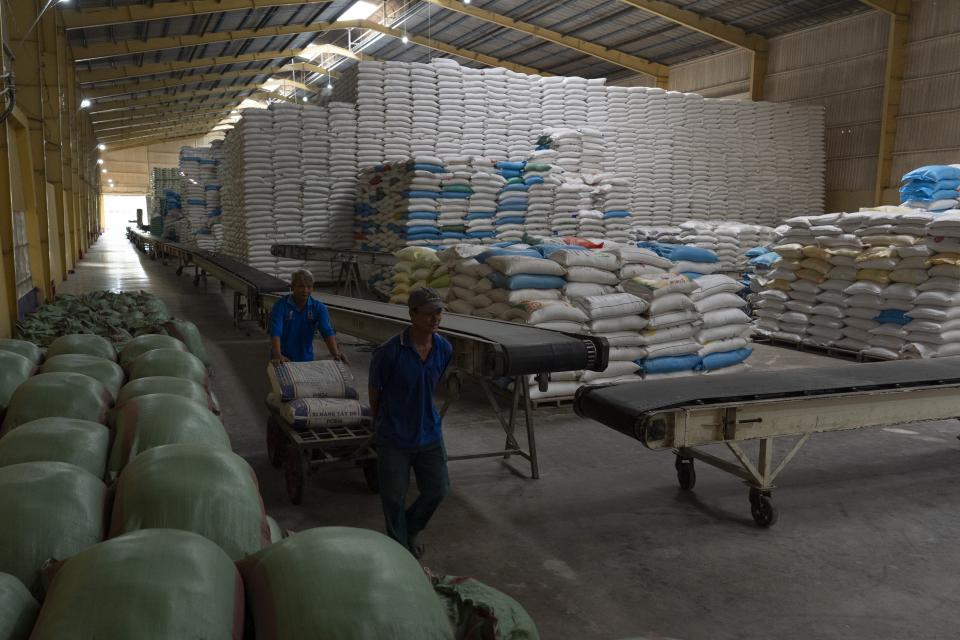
295, 318
404, 374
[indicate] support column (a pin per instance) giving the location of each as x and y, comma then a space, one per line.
27, 67
8, 286
73, 105
53, 102
758, 73
892, 88
65, 71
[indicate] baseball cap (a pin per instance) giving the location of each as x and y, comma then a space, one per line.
425, 299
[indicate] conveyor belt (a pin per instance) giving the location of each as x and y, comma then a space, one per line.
262, 282
521, 349
309, 252
621, 407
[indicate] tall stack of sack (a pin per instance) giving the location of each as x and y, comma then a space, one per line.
933, 187
371, 112
468, 280
317, 180
193, 194
730, 240
480, 220
398, 99
426, 109
454, 202
512, 202
342, 118
725, 328
416, 268
425, 206
934, 328
450, 97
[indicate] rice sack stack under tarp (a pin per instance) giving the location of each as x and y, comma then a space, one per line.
78, 442
84, 343
18, 609
63, 394
169, 362
14, 371
193, 487
51, 510
107, 372
316, 394
28, 350
169, 385
341, 582
148, 342
159, 419
157, 584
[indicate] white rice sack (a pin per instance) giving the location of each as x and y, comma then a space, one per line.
580, 258
619, 323
523, 295
622, 338
723, 317
586, 289
317, 379
720, 301
560, 325
615, 369
670, 334
460, 306
648, 287
674, 318
670, 302
591, 274
538, 311
634, 270
721, 346
636, 255
610, 306
313, 413
713, 284
723, 333
627, 353
513, 265
673, 348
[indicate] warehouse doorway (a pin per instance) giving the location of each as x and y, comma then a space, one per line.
119, 211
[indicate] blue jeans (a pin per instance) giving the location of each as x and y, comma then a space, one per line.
430, 469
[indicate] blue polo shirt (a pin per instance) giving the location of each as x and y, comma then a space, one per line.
408, 418
295, 327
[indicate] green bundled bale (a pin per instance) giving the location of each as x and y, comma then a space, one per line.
149, 585
169, 362
109, 373
78, 442
18, 609
61, 394
159, 419
114, 316
479, 611
167, 384
14, 371
28, 350
341, 583
187, 332
48, 510
82, 343
194, 488
148, 342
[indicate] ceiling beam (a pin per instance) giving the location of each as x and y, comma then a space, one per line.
146, 114
171, 98
894, 7
204, 116
126, 88
138, 71
131, 47
620, 58
157, 130
155, 139
707, 26
105, 16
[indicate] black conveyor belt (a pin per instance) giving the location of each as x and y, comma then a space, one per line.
622, 406
525, 350
262, 282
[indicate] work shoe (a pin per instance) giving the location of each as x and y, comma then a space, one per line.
416, 547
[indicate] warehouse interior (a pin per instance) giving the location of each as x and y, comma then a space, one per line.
729, 230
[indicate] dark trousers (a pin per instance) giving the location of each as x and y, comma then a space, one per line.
430, 469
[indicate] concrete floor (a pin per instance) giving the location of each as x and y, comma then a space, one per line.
605, 545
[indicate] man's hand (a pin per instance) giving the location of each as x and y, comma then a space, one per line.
340, 356
281, 359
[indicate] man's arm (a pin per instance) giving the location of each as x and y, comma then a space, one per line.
276, 330
374, 401
334, 349
328, 335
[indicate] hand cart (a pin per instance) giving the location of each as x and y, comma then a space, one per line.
301, 453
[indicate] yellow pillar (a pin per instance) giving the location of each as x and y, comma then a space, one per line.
30, 98
758, 73
892, 89
65, 71
53, 138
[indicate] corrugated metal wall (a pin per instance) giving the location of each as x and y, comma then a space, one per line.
928, 129
841, 67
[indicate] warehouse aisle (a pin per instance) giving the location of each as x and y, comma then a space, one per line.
604, 545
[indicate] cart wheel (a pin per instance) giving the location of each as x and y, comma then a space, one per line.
180, 270
686, 474
371, 475
295, 474
276, 444
764, 513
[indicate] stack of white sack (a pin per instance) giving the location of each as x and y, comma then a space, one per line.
521, 275
453, 203
725, 330
618, 318
312, 395
540, 180
418, 267
934, 329
482, 205
730, 240
672, 324
665, 234
611, 196
468, 282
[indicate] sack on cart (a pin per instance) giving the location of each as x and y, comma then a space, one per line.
315, 413
317, 379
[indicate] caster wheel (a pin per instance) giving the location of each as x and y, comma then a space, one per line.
295, 474
686, 473
179, 271
372, 476
276, 444
764, 513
